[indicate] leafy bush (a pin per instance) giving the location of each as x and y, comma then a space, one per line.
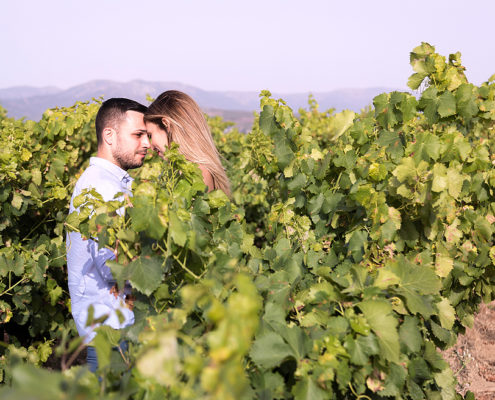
353, 248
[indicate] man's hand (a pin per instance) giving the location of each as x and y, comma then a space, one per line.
129, 299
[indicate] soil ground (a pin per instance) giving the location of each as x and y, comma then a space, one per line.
473, 357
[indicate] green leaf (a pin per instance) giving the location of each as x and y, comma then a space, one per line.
177, 229
297, 182
483, 227
357, 244
418, 278
415, 390
346, 160
426, 147
417, 303
415, 80
393, 143
162, 293
446, 104
408, 107
362, 348
298, 341
55, 294
440, 182
307, 389
282, 150
444, 335
384, 111
410, 335
44, 351
395, 380
433, 357
145, 274
58, 166
142, 214
380, 317
314, 205
32, 381
418, 369
331, 202
267, 121
429, 104
405, 171
105, 339
217, 198
270, 350
466, 101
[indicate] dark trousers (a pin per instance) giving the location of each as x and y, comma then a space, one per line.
92, 358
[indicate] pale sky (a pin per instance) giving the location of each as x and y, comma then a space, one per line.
280, 45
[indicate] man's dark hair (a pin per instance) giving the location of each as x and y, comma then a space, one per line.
112, 112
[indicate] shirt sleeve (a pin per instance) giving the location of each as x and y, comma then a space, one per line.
83, 256
100, 257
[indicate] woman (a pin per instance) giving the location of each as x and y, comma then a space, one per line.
175, 117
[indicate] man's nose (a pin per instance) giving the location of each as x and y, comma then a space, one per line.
146, 142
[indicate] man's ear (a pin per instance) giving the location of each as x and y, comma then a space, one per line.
108, 135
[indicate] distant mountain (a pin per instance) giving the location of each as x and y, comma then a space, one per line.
31, 102
19, 92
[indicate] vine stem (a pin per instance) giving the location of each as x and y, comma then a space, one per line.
125, 248
37, 226
340, 310
24, 279
66, 365
72, 227
183, 266
358, 396
126, 360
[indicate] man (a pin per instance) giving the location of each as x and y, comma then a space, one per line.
122, 145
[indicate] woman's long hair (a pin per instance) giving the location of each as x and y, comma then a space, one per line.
181, 118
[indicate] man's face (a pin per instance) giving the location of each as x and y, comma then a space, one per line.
132, 143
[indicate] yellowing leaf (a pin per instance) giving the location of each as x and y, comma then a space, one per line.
161, 362
395, 217
341, 122
443, 265
316, 154
385, 278
25, 154
446, 313
452, 234
455, 181
17, 201
36, 176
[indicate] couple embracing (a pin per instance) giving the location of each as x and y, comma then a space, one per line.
125, 131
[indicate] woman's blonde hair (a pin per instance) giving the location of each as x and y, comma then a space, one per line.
181, 118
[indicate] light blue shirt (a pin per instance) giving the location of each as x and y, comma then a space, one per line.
90, 280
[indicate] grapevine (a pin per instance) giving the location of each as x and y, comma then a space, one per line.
355, 246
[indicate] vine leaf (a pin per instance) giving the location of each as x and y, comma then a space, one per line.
380, 317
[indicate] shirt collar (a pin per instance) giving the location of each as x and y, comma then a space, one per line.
115, 170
